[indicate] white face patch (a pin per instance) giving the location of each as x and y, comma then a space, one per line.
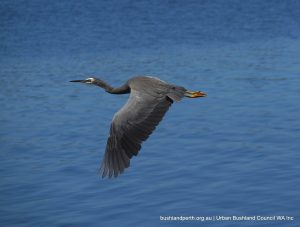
90, 80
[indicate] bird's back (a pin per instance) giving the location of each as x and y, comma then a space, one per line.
156, 87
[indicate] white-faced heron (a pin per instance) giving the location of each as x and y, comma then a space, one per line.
149, 100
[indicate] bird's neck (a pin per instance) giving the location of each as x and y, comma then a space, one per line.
124, 89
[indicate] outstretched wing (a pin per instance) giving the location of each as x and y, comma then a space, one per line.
132, 125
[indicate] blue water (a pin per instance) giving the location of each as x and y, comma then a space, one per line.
235, 152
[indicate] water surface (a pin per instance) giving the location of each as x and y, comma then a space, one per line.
235, 152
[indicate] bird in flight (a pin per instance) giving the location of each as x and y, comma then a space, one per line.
149, 100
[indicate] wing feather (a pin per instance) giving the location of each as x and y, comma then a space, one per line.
132, 125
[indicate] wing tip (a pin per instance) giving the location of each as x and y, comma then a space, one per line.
106, 172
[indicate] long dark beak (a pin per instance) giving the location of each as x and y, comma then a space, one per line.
81, 81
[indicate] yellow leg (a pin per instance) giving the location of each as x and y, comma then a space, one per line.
194, 94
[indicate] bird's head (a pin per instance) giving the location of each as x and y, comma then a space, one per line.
90, 80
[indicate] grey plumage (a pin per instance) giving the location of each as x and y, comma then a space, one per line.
136, 120
149, 100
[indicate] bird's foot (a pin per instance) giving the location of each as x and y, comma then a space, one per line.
194, 94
